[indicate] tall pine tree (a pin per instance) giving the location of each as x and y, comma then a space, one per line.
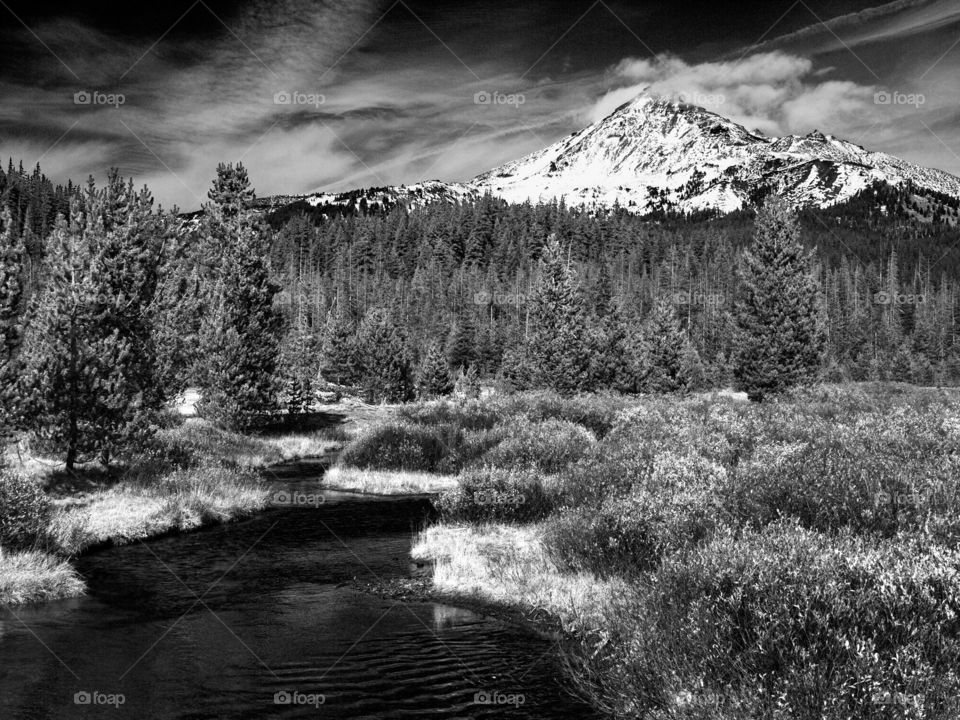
558, 347
780, 330
241, 335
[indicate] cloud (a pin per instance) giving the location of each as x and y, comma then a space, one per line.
776, 93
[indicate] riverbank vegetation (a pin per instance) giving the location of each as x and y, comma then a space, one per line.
712, 558
191, 474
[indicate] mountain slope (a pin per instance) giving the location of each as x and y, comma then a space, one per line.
654, 155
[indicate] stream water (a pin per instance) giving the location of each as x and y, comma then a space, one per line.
257, 620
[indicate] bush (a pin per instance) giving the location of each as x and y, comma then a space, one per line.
398, 446
497, 494
839, 481
674, 505
597, 413
785, 623
548, 446
469, 415
24, 511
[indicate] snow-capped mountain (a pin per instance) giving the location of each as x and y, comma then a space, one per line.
652, 154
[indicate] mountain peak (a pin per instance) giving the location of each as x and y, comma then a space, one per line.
653, 153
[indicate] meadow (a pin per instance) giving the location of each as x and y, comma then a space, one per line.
704, 557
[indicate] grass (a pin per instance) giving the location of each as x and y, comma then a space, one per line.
509, 565
192, 474
31, 576
181, 501
387, 482
715, 559
199, 438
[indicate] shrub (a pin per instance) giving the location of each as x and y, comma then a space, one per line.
548, 446
784, 623
468, 415
675, 505
838, 482
597, 413
397, 446
24, 511
497, 494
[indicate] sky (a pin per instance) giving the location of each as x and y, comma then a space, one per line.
340, 94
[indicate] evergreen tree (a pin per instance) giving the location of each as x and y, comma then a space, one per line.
89, 366
609, 352
780, 332
461, 345
240, 337
558, 346
340, 363
433, 376
666, 358
467, 385
384, 364
12, 254
298, 366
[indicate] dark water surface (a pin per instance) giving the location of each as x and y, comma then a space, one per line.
233, 621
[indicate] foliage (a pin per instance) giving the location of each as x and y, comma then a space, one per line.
497, 494
433, 375
240, 337
382, 362
781, 332
24, 511
786, 623
547, 446
89, 376
397, 446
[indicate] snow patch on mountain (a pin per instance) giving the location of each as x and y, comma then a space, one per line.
653, 154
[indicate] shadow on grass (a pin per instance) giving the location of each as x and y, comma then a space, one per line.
309, 422
62, 482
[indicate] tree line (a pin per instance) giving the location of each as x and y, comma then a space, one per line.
125, 304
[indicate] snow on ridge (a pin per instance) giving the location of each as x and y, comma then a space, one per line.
651, 153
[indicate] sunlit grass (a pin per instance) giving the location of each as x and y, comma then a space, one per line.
183, 500
508, 565
387, 482
32, 576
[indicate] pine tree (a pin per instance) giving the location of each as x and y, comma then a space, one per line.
667, 348
89, 366
298, 366
385, 371
339, 359
461, 345
241, 336
467, 385
609, 354
780, 332
12, 255
433, 376
558, 348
